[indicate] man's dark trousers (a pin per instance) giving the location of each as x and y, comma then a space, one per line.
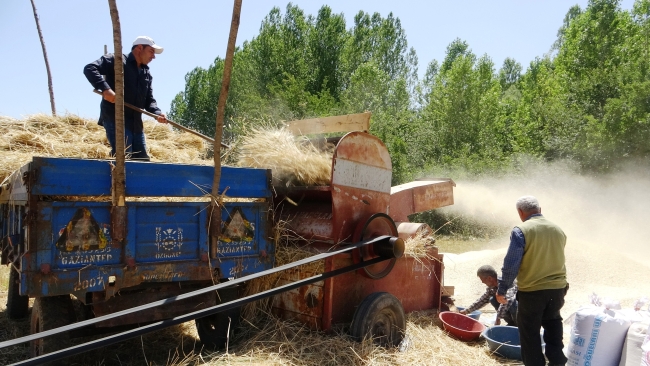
541, 309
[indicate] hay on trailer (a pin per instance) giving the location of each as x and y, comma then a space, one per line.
295, 161
76, 137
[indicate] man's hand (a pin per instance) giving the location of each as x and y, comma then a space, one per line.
464, 311
501, 299
109, 95
162, 118
497, 322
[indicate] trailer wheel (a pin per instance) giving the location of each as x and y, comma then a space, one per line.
48, 313
379, 317
17, 304
217, 330
376, 225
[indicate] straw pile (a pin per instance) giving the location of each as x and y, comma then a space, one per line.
295, 161
274, 342
73, 136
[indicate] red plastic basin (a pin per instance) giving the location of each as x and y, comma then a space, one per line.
461, 326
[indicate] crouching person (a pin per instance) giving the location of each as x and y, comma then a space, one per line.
507, 311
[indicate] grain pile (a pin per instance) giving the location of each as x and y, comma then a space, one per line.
73, 136
295, 161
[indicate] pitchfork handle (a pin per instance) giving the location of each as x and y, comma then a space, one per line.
180, 127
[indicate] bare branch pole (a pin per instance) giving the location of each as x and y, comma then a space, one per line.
215, 217
118, 211
118, 173
47, 63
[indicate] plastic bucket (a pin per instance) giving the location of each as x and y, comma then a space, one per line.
474, 314
504, 341
461, 326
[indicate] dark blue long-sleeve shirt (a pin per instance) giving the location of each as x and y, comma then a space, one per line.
512, 261
137, 88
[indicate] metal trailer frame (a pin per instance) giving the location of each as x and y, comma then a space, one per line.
58, 237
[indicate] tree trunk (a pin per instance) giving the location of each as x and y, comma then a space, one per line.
118, 219
215, 217
47, 63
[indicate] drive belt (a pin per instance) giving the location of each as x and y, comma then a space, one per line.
194, 315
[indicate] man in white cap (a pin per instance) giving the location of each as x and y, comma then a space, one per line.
137, 91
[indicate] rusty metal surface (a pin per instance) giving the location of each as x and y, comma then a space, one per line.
361, 177
415, 282
311, 220
420, 196
407, 230
304, 304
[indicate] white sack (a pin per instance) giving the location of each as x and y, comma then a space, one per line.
597, 337
631, 354
645, 348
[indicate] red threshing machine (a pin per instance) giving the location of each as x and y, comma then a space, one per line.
355, 226
360, 204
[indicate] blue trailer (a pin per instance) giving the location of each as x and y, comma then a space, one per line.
56, 236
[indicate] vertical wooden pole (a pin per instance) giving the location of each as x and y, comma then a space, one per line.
215, 216
47, 62
118, 212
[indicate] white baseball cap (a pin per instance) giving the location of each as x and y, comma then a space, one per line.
148, 42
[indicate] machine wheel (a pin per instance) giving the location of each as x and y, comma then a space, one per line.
49, 313
216, 330
17, 305
379, 317
377, 225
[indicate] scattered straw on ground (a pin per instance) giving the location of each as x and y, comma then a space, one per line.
294, 160
269, 341
73, 136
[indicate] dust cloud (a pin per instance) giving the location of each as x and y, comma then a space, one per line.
605, 217
608, 212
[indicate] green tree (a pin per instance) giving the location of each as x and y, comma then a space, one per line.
327, 42
509, 74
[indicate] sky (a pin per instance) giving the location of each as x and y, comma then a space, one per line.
194, 32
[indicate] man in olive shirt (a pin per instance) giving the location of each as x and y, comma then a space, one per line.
536, 258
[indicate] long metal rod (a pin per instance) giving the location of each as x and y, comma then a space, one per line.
103, 342
180, 127
88, 322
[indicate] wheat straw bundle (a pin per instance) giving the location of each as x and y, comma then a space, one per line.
294, 160
76, 137
158, 132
